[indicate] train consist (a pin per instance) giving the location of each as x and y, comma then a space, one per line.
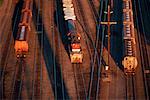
130, 61
21, 45
74, 37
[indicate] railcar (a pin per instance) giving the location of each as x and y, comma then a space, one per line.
130, 61
74, 37
21, 44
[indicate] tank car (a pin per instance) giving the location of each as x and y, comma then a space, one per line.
130, 61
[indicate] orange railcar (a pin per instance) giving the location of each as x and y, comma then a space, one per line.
21, 45
76, 54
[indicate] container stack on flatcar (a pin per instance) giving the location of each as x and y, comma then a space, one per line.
130, 61
21, 44
74, 37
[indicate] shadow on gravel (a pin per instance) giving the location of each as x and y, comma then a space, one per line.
59, 18
49, 56
116, 34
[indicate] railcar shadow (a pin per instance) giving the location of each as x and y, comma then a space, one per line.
16, 17
50, 58
61, 23
117, 47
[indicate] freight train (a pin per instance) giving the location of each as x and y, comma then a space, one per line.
21, 44
130, 61
74, 37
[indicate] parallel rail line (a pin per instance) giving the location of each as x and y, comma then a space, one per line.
130, 87
79, 81
94, 11
59, 86
90, 45
37, 78
18, 79
142, 45
4, 61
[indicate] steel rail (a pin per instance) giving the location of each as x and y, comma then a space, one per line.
130, 87
60, 53
76, 85
14, 79
4, 19
142, 42
94, 12
97, 18
19, 77
54, 66
97, 59
147, 8
1, 71
34, 70
85, 28
85, 36
7, 57
54, 69
16, 68
101, 50
79, 81
37, 75
22, 78
41, 49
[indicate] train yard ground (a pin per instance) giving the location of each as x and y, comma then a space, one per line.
47, 72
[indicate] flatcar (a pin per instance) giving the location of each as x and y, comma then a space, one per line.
21, 44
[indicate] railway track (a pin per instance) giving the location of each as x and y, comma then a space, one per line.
143, 37
55, 48
92, 49
5, 78
6, 70
3, 20
37, 81
130, 49
59, 83
142, 45
38, 51
79, 81
18, 79
147, 7
93, 88
95, 83
103, 7
4, 39
130, 87
86, 28
10, 74
16, 88
83, 22
94, 11
37, 75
